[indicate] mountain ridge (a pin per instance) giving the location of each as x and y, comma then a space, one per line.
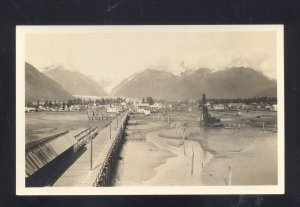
235, 82
75, 82
40, 87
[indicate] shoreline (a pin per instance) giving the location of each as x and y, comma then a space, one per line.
146, 160
183, 165
247, 161
244, 156
184, 161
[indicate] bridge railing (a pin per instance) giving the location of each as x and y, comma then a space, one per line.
84, 137
107, 169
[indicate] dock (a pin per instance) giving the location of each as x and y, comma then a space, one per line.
94, 161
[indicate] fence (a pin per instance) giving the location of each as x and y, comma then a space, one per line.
84, 137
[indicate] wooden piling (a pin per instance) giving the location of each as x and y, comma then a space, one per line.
202, 158
192, 167
229, 175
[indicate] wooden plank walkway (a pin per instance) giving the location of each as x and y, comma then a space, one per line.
79, 173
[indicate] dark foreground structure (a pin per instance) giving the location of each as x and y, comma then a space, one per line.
207, 119
48, 158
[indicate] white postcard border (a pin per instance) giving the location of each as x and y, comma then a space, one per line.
21, 31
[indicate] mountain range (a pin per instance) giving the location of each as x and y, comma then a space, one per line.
236, 82
58, 83
158, 84
40, 87
75, 82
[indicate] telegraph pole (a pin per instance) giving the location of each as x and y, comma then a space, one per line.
91, 163
117, 121
110, 130
192, 169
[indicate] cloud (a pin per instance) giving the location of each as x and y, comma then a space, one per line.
255, 58
121, 55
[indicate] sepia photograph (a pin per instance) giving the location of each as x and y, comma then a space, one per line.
126, 110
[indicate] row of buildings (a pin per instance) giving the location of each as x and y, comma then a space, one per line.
106, 111
242, 106
111, 108
146, 108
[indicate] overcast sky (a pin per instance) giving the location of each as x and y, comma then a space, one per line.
119, 55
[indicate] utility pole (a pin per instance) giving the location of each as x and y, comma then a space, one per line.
192, 169
229, 175
202, 158
91, 163
117, 121
110, 130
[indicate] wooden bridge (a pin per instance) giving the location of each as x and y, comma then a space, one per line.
95, 166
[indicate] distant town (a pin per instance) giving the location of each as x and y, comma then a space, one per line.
148, 105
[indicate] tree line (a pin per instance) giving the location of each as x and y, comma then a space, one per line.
148, 100
265, 100
75, 101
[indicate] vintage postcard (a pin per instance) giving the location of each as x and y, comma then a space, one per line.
130, 110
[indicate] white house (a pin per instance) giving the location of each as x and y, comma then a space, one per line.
274, 107
143, 108
29, 109
156, 107
113, 110
219, 107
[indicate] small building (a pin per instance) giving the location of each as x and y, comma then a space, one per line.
274, 107
112, 110
30, 109
155, 107
218, 107
99, 113
123, 105
142, 108
268, 107
74, 108
41, 108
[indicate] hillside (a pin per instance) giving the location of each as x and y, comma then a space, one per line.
235, 82
269, 92
74, 82
158, 84
40, 87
